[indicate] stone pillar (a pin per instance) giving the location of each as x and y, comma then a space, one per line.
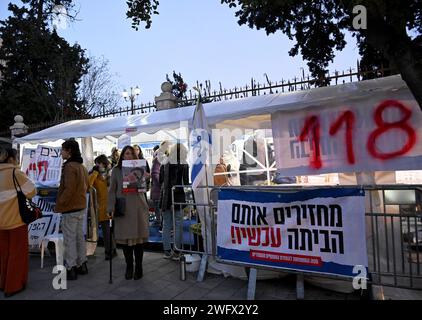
166, 100
19, 129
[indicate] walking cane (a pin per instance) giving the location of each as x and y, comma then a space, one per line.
111, 250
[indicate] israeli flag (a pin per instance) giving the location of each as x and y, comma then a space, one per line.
200, 147
201, 176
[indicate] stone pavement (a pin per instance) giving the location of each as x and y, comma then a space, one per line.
160, 282
391, 293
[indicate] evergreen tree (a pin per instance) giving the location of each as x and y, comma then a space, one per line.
40, 71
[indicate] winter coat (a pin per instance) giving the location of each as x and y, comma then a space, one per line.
155, 179
74, 185
135, 223
100, 184
173, 175
9, 208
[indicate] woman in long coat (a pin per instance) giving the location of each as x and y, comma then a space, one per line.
14, 261
131, 229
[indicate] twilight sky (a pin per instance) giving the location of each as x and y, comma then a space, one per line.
199, 39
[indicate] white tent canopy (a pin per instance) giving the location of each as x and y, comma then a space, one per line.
246, 113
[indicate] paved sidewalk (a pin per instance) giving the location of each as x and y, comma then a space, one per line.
160, 282
390, 293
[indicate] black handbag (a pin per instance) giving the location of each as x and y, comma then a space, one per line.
120, 207
29, 212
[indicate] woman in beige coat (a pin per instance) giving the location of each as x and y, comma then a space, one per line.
132, 229
14, 261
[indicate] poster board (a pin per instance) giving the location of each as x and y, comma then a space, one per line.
317, 230
43, 166
349, 136
134, 176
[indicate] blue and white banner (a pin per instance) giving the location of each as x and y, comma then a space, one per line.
321, 230
201, 173
200, 146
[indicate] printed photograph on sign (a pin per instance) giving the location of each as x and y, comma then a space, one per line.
134, 176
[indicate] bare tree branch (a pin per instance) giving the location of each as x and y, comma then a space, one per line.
98, 90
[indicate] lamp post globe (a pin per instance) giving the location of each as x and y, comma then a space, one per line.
134, 92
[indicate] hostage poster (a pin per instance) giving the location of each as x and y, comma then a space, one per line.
319, 230
134, 176
43, 165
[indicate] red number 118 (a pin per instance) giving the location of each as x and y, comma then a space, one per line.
312, 127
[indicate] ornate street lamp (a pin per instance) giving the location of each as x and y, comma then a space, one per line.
134, 92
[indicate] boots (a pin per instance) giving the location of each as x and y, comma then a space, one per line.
72, 274
128, 253
139, 254
83, 269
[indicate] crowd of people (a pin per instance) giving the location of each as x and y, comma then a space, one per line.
129, 211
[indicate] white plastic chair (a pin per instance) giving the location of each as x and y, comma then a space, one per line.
57, 239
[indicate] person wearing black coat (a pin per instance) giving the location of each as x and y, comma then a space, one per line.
174, 172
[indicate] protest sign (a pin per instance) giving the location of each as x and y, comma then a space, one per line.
27, 155
45, 165
349, 136
48, 224
134, 176
123, 141
321, 231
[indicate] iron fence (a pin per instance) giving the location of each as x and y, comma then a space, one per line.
393, 216
256, 89
252, 89
394, 234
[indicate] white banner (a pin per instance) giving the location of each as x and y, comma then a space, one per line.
28, 156
123, 141
45, 166
320, 230
47, 225
350, 136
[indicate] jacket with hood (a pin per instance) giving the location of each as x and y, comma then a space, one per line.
9, 208
74, 185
